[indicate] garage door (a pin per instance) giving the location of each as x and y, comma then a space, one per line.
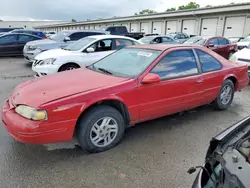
209, 27
86, 27
234, 26
188, 27
126, 25
97, 27
134, 27
157, 27
171, 27
145, 27
92, 27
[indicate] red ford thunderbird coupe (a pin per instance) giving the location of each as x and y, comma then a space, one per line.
132, 85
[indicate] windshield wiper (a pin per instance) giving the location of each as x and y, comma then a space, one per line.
105, 71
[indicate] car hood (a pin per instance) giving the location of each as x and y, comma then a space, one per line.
46, 44
54, 53
244, 54
39, 91
243, 43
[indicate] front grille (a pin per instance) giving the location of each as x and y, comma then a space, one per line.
36, 62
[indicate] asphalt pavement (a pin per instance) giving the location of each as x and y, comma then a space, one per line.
155, 154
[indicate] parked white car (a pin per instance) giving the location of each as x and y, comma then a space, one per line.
244, 43
242, 56
79, 54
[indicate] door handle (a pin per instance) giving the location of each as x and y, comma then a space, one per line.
199, 81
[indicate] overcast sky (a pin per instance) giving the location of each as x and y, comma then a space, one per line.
83, 9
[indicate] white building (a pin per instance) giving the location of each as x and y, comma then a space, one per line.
229, 20
27, 24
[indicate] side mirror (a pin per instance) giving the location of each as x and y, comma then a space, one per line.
90, 50
151, 78
210, 45
67, 39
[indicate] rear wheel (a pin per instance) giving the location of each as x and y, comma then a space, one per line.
69, 66
100, 129
225, 97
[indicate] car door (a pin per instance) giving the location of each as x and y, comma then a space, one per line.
224, 47
212, 77
168, 40
22, 39
101, 48
180, 87
8, 44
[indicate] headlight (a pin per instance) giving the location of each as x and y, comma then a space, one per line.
32, 47
233, 58
49, 61
31, 113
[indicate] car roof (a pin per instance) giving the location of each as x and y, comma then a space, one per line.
20, 34
110, 36
87, 31
26, 30
163, 47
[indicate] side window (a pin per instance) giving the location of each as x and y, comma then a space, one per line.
223, 41
8, 39
179, 63
208, 62
214, 42
102, 45
186, 36
77, 36
25, 38
157, 40
182, 36
166, 39
121, 43
177, 36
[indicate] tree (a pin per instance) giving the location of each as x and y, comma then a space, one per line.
191, 5
146, 11
171, 9
73, 20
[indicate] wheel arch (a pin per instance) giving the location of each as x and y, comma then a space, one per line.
234, 79
68, 63
116, 103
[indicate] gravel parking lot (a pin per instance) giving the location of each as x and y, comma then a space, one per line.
152, 154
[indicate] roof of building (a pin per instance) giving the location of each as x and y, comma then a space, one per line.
190, 12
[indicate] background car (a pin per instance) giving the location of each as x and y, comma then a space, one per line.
244, 43
219, 45
31, 32
59, 40
79, 54
13, 44
49, 33
167, 39
182, 37
235, 39
6, 30
242, 56
227, 159
132, 85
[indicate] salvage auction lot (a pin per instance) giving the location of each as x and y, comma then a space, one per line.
152, 154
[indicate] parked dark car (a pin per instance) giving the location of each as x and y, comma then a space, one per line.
13, 43
30, 32
6, 30
167, 39
122, 30
182, 37
227, 159
219, 45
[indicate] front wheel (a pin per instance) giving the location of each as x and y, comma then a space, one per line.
69, 66
100, 129
225, 97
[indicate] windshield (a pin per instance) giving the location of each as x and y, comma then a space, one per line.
247, 39
127, 62
147, 40
59, 36
78, 45
195, 40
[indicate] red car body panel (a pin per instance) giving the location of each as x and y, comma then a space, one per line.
223, 50
65, 96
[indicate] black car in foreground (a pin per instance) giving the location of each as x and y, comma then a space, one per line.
12, 44
227, 160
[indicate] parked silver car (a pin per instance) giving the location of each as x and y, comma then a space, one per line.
157, 39
59, 40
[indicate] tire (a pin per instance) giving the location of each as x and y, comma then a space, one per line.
222, 104
68, 66
86, 131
